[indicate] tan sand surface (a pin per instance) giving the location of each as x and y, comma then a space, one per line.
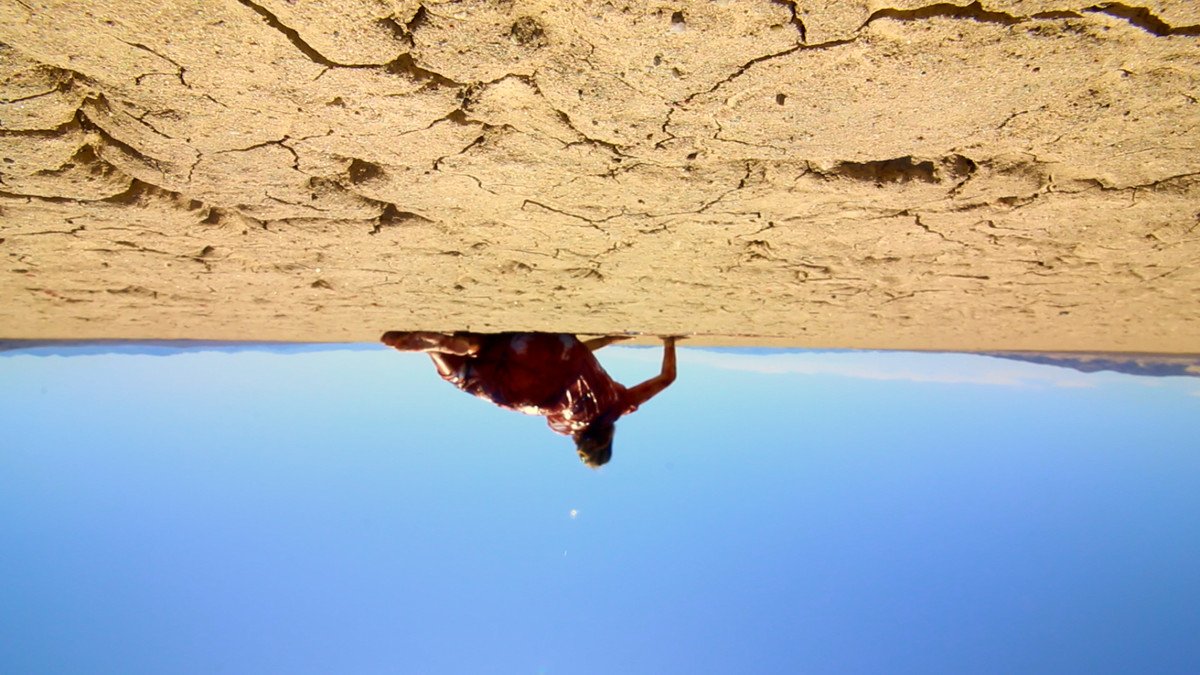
1001, 175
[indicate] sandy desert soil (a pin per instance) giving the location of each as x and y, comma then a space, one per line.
1010, 174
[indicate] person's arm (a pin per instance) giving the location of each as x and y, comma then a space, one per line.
462, 344
646, 390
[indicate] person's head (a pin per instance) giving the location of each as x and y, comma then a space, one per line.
594, 443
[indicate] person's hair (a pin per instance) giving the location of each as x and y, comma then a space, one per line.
594, 443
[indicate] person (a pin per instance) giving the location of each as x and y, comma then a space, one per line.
549, 374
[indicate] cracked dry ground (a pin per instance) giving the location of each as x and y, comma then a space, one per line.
1012, 174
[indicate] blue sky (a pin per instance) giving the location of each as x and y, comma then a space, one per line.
347, 511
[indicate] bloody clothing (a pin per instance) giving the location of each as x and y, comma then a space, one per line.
548, 374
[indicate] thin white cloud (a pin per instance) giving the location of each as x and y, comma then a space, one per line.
906, 366
932, 368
